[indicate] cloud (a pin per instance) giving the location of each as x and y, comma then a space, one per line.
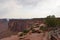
28, 3
3, 1
28, 8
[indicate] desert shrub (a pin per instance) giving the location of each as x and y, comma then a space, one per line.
43, 28
25, 31
51, 21
33, 31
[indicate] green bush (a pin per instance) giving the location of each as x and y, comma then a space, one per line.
25, 31
51, 21
33, 31
43, 28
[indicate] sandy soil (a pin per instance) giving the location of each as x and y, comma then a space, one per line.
13, 37
33, 36
36, 36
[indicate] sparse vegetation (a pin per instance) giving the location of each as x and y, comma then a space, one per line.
25, 31
50, 21
33, 31
43, 28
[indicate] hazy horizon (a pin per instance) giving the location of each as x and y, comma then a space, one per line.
29, 8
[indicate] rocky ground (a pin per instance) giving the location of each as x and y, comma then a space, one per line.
13, 37
33, 36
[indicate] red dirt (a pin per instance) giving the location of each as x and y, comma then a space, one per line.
33, 36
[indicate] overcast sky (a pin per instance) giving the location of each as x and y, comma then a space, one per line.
29, 8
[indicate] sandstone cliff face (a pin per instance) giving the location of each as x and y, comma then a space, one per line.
3, 25
16, 25
21, 24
